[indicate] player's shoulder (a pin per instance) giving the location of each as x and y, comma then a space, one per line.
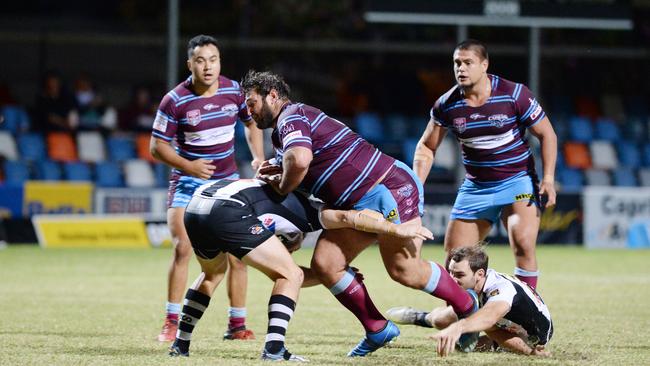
296, 110
226, 82
450, 97
501, 86
179, 92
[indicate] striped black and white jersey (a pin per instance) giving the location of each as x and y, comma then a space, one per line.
527, 309
286, 216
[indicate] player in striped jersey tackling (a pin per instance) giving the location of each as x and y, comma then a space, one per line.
248, 219
490, 116
513, 315
194, 133
322, 156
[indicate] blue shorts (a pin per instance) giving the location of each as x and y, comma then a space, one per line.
484, 201
399, 196
182, 187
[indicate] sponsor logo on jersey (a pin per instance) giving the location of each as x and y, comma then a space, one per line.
194, 117
269, 224
476, 116
497, 120
210, 106
286, 129
291, 136
392, 215
536, 112
494, 292
523, 196
160, 123
256, 229
406, 190
230, 109
459, 124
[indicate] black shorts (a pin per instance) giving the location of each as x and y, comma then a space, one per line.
216, 226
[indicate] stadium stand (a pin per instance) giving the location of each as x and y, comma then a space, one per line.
120, 148
91, 146
138, 173
77, 171
108, 174
61, 147
8, 146
576, 155
16, 172
31, 146
597, 177
142, 147
603, 155
47, 170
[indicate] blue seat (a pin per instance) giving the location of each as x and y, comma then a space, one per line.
161, 174
417, 125
108, 174
606, 129
16, 172
625, 177
645, 154
396, 126
628, 154
77, 171
32, 146
571, 179
16, 119
408, 150
120, 148
369, 126
48, 170
634, 129
580, 129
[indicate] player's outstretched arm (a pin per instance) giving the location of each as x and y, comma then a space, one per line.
483, 319
372, 222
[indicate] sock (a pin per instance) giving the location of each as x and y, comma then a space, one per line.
352, 293
172, 310
280, 311
529, 277
443, 286
236, 318
194, 305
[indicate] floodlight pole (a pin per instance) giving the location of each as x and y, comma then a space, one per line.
533, 60
172, 44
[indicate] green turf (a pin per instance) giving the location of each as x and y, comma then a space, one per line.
105, 307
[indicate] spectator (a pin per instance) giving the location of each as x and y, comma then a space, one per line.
140, 112
55, 108
94, 112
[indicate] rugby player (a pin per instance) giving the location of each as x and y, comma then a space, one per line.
200, 115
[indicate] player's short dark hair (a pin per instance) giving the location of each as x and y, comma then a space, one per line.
475, 255
263, 81
200, 41
473, 45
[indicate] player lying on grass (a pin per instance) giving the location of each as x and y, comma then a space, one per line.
243, 217
513, 315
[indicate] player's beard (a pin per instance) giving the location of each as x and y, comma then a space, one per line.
266, 117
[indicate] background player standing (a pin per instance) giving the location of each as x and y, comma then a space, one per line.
489, 116
200, 114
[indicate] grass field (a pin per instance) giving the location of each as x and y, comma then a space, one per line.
105, 307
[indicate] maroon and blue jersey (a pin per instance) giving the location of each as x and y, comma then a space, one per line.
492, 136
344, 167
203, 127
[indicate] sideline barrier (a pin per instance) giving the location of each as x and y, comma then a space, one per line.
616, 217
90, 231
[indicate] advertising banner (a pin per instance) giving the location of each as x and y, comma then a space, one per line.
131, 201
90, 231
559, 225
57, 198
616, 217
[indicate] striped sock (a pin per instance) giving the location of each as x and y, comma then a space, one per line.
236, 318
529, 277
280, 311
194, 305
443, 286
172, 310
